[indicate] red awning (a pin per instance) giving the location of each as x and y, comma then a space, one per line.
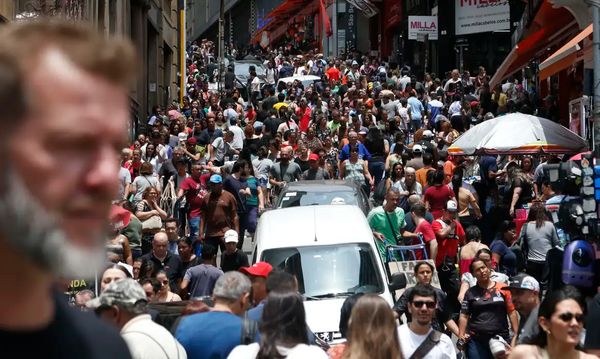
566, 56
549, 26
281, 15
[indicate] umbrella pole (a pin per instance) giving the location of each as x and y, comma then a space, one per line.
595, 5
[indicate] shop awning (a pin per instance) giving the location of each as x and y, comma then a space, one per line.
549, 26
280, 16
565, 56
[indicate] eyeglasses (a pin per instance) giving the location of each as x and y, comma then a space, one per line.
568, 317
420, 303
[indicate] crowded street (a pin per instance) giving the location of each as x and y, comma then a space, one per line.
300, 179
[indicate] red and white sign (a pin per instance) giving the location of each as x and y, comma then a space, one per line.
422, 25
475, 16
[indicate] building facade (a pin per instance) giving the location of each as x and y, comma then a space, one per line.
152, 25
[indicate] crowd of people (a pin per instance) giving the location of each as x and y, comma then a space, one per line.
193, 183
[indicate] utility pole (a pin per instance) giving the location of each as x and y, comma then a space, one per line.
221, 45
182, 59
595, 5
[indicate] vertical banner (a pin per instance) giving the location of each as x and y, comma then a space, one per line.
350, 28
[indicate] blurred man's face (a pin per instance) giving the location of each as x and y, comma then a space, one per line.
67, 186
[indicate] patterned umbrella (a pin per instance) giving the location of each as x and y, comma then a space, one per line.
518, 133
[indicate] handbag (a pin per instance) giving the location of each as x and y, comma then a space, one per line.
153, 222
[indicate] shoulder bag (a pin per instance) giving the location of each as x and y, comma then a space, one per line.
429, 343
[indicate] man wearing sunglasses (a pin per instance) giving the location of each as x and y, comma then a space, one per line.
525, 293
419, 339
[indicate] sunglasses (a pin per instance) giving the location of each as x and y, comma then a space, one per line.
164, 282
568, 317
420, 303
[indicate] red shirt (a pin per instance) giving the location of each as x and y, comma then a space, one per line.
428, 235
447, 247
438, 196
333, 74
134, 168
305, 119
194, 193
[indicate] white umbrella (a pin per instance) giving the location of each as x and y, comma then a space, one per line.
518, 133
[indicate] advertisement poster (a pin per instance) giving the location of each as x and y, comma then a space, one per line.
421, 26
475, 16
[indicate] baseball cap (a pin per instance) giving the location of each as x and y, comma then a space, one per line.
258, 269
192, 140
119, 217
231, 236
313, 157
524, 281
451, 206
417, 149
427, 133
362, 132
123, 291
216, 179
182, 136
258, 125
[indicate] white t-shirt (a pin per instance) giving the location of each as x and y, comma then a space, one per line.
124, 180
300, 351
409, 342
146, 339
238, 137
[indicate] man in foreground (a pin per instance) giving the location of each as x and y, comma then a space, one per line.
60, 159
418, 338
525, 292
124, 304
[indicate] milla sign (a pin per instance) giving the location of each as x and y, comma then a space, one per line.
422, 25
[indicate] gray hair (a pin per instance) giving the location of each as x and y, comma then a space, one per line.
231, 286
139, 308
409, 170
413, 199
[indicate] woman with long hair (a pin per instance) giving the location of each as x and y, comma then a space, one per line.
372, 330
283, 331
164, 294
149, 212
560, 318
538, 235
395, 179
519, 190
378, 149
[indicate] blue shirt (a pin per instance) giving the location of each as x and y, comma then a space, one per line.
363, 153
416, 108
211, 335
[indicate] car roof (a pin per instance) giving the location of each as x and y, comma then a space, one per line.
321, 186
312, 225
299, 78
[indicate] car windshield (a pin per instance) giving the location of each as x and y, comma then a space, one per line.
304, 198
243, 68
329, 271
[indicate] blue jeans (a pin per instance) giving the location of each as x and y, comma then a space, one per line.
376, 169
415, 125
194, 224
478, 349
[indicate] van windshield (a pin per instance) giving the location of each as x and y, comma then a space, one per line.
329, 271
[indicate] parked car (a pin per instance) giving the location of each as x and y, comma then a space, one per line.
323, 192
241, 68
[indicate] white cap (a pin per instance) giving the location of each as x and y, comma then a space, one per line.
417, 148
427, 133
451, 206
182, 136
231, 236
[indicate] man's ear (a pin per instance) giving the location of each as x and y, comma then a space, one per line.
246, 300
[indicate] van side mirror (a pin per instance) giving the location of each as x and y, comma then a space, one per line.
398, 281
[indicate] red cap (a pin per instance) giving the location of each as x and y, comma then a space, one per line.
313, 157
192, 140
258, 269
119, 217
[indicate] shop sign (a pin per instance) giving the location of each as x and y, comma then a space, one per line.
422, 26
475, 16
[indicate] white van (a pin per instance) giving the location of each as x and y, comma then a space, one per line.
331, 251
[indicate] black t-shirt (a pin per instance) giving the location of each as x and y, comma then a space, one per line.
172, 265
272, 124
526, 192
592, 324
72, 334
233, 186
233, 262
303, 164
487, 310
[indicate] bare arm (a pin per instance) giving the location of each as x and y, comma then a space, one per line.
514, 323
464, 286
463, 320
451, 325
515, 199
433, 249
367, 173
342, 167
127, 256
144, 215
